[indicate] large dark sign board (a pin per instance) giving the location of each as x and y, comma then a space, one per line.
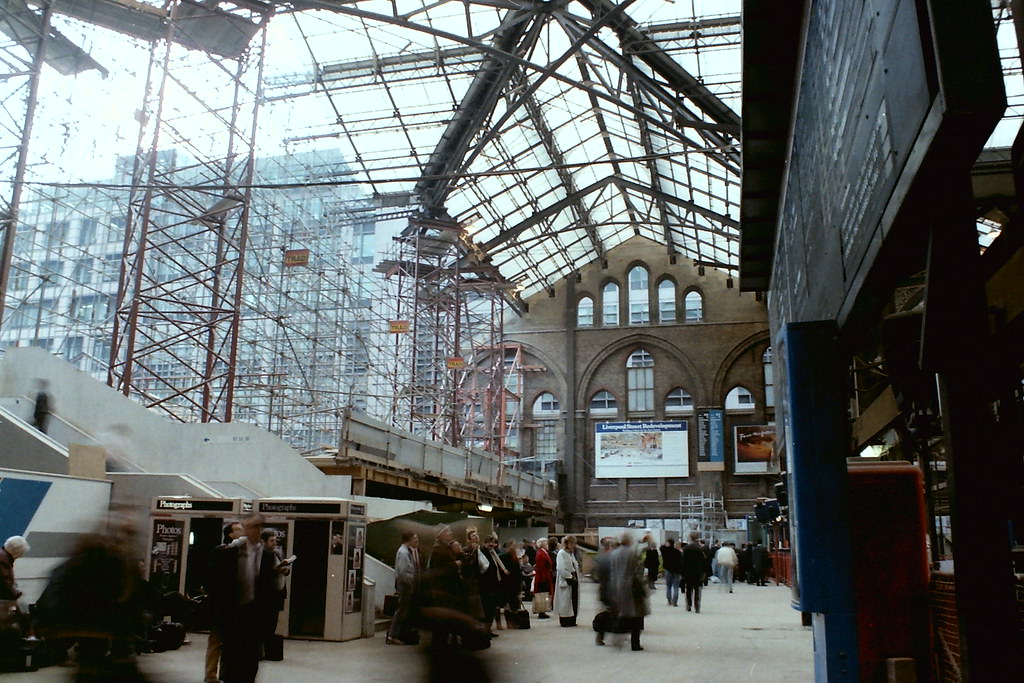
883, 87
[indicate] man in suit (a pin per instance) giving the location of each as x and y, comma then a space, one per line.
407, 581
244, 587
231, 532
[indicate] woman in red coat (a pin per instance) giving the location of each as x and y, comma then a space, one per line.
543, 580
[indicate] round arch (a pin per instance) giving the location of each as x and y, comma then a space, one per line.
640, 339
718, 387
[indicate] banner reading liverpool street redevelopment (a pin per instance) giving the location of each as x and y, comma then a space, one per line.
641, 449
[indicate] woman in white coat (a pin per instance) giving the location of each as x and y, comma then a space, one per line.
567, 583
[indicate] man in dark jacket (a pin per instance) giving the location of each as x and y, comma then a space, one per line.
759, 563
244, 590
694, 571
672, 560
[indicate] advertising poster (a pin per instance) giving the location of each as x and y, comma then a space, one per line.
754, 447
658, 448
165, 555
354, 589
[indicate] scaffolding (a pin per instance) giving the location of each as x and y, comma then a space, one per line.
179, 296
702, 513
447, 314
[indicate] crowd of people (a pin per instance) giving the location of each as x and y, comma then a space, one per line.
467, 588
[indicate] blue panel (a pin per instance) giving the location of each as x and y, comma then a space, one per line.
19, 501
817, 443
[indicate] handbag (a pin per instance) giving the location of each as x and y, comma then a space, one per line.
10, 618
541, 602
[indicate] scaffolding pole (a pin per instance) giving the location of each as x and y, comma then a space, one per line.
178, 305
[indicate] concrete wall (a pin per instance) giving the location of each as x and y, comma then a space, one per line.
51, 512
136, 438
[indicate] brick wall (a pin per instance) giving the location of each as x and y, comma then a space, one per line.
945, 629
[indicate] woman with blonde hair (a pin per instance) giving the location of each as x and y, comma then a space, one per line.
567, 583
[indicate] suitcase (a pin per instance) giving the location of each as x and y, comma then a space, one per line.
519, 619
169, 635
273, 648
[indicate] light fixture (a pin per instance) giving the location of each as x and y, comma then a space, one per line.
484, 507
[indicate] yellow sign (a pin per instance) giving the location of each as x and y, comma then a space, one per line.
455, 362
398, 326
296, 257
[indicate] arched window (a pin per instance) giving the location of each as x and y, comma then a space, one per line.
610, 304
546, 404
585, 312
543, 459
739, 398
678, 401
769, 378
640, 381
667, 301
603, 403
639, 296
694, 307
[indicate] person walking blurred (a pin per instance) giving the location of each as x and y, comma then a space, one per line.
726, 560
628, 591
602, 573
231, 532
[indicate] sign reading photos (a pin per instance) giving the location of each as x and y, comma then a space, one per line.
641, 449
755, 445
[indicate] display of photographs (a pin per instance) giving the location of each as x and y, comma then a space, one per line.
338, 538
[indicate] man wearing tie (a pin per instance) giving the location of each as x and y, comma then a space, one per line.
407, 580
245, 584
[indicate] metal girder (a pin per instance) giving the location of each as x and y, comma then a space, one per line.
495, 243
727, 122
679, 78
517, 32
548, 140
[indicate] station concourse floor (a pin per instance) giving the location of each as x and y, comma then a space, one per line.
752, 634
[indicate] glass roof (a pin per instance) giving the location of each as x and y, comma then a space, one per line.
552, 131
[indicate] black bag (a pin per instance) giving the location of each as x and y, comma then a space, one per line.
390, 604
166, 635
10, 620
273, 648
519, 619
473, 638
603, 622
